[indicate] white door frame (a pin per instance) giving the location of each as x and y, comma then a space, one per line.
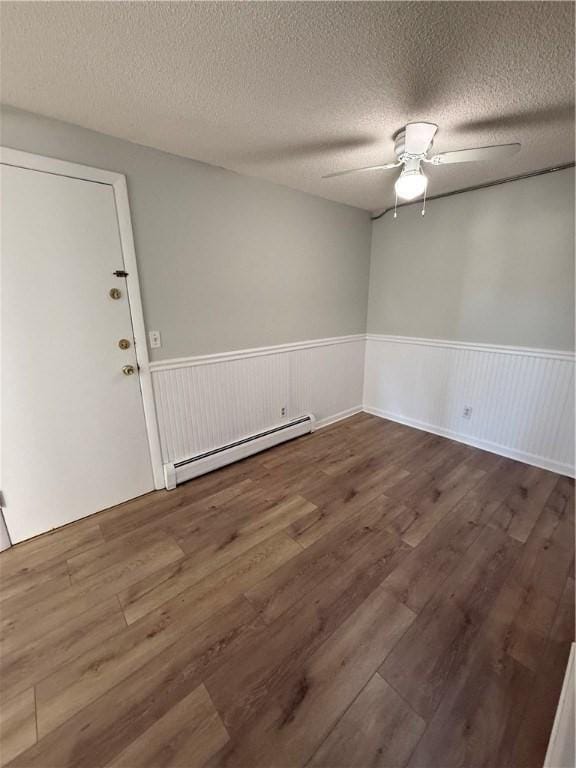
118, 183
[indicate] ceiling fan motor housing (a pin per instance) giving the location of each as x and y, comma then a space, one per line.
400, 147
411, 164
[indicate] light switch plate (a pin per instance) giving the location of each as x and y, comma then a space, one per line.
155, 339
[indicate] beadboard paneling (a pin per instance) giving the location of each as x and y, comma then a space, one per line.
209, 401
522, 400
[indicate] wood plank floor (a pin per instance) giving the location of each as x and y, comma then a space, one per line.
370, 595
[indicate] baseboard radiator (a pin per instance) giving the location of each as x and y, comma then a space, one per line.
186, 469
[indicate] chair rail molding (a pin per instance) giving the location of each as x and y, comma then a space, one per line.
501, 349
241, 354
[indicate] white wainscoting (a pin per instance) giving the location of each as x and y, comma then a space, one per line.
522, 399
207, 401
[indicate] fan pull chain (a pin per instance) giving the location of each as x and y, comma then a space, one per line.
424, 206
395, 204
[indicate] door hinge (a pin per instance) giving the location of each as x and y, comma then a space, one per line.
120, 273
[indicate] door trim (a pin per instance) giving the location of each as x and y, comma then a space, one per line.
117, 181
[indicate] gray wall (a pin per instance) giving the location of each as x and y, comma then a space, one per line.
229, 262
493, 266
225, 261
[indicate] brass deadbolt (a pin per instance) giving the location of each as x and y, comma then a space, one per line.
124, 344
115, 293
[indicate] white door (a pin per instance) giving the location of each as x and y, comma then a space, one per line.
73, 431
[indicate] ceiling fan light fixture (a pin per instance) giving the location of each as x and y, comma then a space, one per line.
411, 184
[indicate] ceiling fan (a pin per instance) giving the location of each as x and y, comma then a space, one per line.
412, 145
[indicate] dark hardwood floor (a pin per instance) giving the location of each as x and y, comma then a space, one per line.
370, 595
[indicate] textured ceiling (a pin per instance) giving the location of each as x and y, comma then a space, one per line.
289, 91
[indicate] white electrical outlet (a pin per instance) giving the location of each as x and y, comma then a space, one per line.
283, 411
467, 412
155, 340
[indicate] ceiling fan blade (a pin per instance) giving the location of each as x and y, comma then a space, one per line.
495, 152
384, 167
419, 137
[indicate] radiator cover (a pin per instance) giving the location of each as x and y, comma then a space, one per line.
186, 469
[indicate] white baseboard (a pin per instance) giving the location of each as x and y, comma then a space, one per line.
339, 417
485, 445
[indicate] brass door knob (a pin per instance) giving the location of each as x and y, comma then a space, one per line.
115, 293
128, 370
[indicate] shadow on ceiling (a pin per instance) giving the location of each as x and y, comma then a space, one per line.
291, 151
522, 119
